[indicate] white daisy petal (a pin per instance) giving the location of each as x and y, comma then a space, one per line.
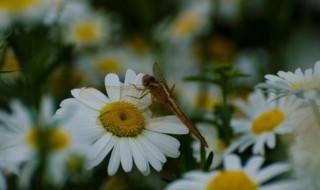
139, 156
125, 155
284, 184
167, 144
90, 97
130, 76
253, 165
184, 185
114, 162
100, 149
271, 171
271, 140
111, 83
232, 162
172, 126
258, 147
152, 149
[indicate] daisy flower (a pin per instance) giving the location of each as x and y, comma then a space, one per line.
83, 26
264, 119
303, 84
23, 140
215, 145
121, 125
235, 176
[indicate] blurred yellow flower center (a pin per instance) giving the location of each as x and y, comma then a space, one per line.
295, 85
186, 24
267, 121
309, 84
231, 180
55, 139
205, 100
15, 4
32, 137
86, 31
220, 145
122, 119
138, 44
58, 139
10, 63
74, 162
108, 64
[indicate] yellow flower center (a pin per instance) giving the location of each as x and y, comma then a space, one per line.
108, 64
122, 119
186, 24
231, 180
14, 5
54, 139
267, 121
86, 31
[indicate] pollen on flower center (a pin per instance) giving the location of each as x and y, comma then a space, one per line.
231, 180
123, 119
267, 121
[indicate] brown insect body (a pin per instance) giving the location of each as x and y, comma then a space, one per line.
160, 91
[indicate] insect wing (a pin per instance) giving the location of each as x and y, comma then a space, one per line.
158, 74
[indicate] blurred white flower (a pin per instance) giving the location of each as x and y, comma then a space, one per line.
23, 11
215, 145
121, 125
83, 26
23, 140
302, 84
193, 19
112, 60
265, 117
235, 176
305, 154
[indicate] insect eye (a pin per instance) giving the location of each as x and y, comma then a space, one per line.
152, 78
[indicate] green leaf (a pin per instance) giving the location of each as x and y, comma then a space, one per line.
3, 71
208, 161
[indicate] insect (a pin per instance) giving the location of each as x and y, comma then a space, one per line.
159, 90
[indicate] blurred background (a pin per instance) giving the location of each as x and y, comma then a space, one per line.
57, 45
60, 44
